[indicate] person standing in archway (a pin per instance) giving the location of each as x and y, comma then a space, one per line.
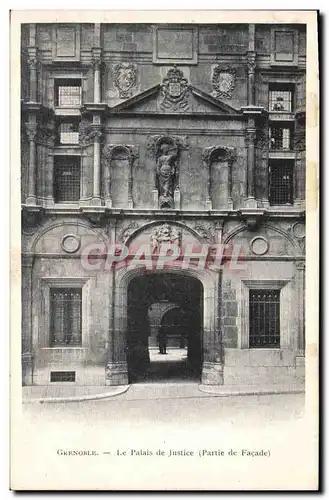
162, 340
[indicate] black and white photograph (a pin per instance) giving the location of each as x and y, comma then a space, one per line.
161, 179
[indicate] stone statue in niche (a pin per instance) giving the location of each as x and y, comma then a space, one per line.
166, 176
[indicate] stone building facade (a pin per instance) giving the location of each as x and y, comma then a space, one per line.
154, 133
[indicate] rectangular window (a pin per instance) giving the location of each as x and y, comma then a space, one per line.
281, 98
68, 93
281, 182
66, 178
68, 131
65, 312
264, 318
281, 137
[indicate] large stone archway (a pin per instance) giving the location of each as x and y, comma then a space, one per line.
117, 365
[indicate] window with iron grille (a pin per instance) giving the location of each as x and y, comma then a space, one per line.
264, 318
281, 182
280, 137
68, 93
68, 131
66, 178
281, 97
65, 311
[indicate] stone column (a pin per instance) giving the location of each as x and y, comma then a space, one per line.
130, 180
31, 131
27, 348
250, 141
117, 367
32, 62
251, 61
300, 306
212, 367
97, 134
96, 53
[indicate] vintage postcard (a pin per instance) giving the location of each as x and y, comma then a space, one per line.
164, 224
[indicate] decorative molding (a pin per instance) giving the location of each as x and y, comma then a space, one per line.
125, 77
132, 151
70, 243
206, 231
259, 245
89, 133
300, 265
31, 218
154, 142
127, 231
223, 81
174, 91
190, 56
31, 129
225, 153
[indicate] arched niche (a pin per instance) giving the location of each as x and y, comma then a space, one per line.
119, 160
218, 161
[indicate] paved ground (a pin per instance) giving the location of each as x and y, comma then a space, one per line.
175, 403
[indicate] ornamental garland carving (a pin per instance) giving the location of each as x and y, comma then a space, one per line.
174, 91
89, 133
125, 75
223, 82
206, 231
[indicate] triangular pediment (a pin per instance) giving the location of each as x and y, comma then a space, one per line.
153, 100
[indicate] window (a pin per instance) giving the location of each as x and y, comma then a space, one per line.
68, 93
264, 318
66, 178
65, 311
281, 97
68, 131
280, 137
281, 182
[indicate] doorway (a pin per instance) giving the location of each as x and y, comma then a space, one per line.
164, 335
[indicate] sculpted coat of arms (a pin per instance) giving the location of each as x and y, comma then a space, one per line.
223, 82
124, 79
174, 90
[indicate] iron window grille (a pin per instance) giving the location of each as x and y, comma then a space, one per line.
281, 182
264, 318
66, 179
68, 132
65, 306
281, 98
62, 376
280, 138
68, 93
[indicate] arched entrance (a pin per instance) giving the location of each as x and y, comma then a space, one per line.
129, 330
173, 304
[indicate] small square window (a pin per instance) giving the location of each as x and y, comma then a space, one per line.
264, 318
281, 98
281, 137
68, 93
68, 131
281, 182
